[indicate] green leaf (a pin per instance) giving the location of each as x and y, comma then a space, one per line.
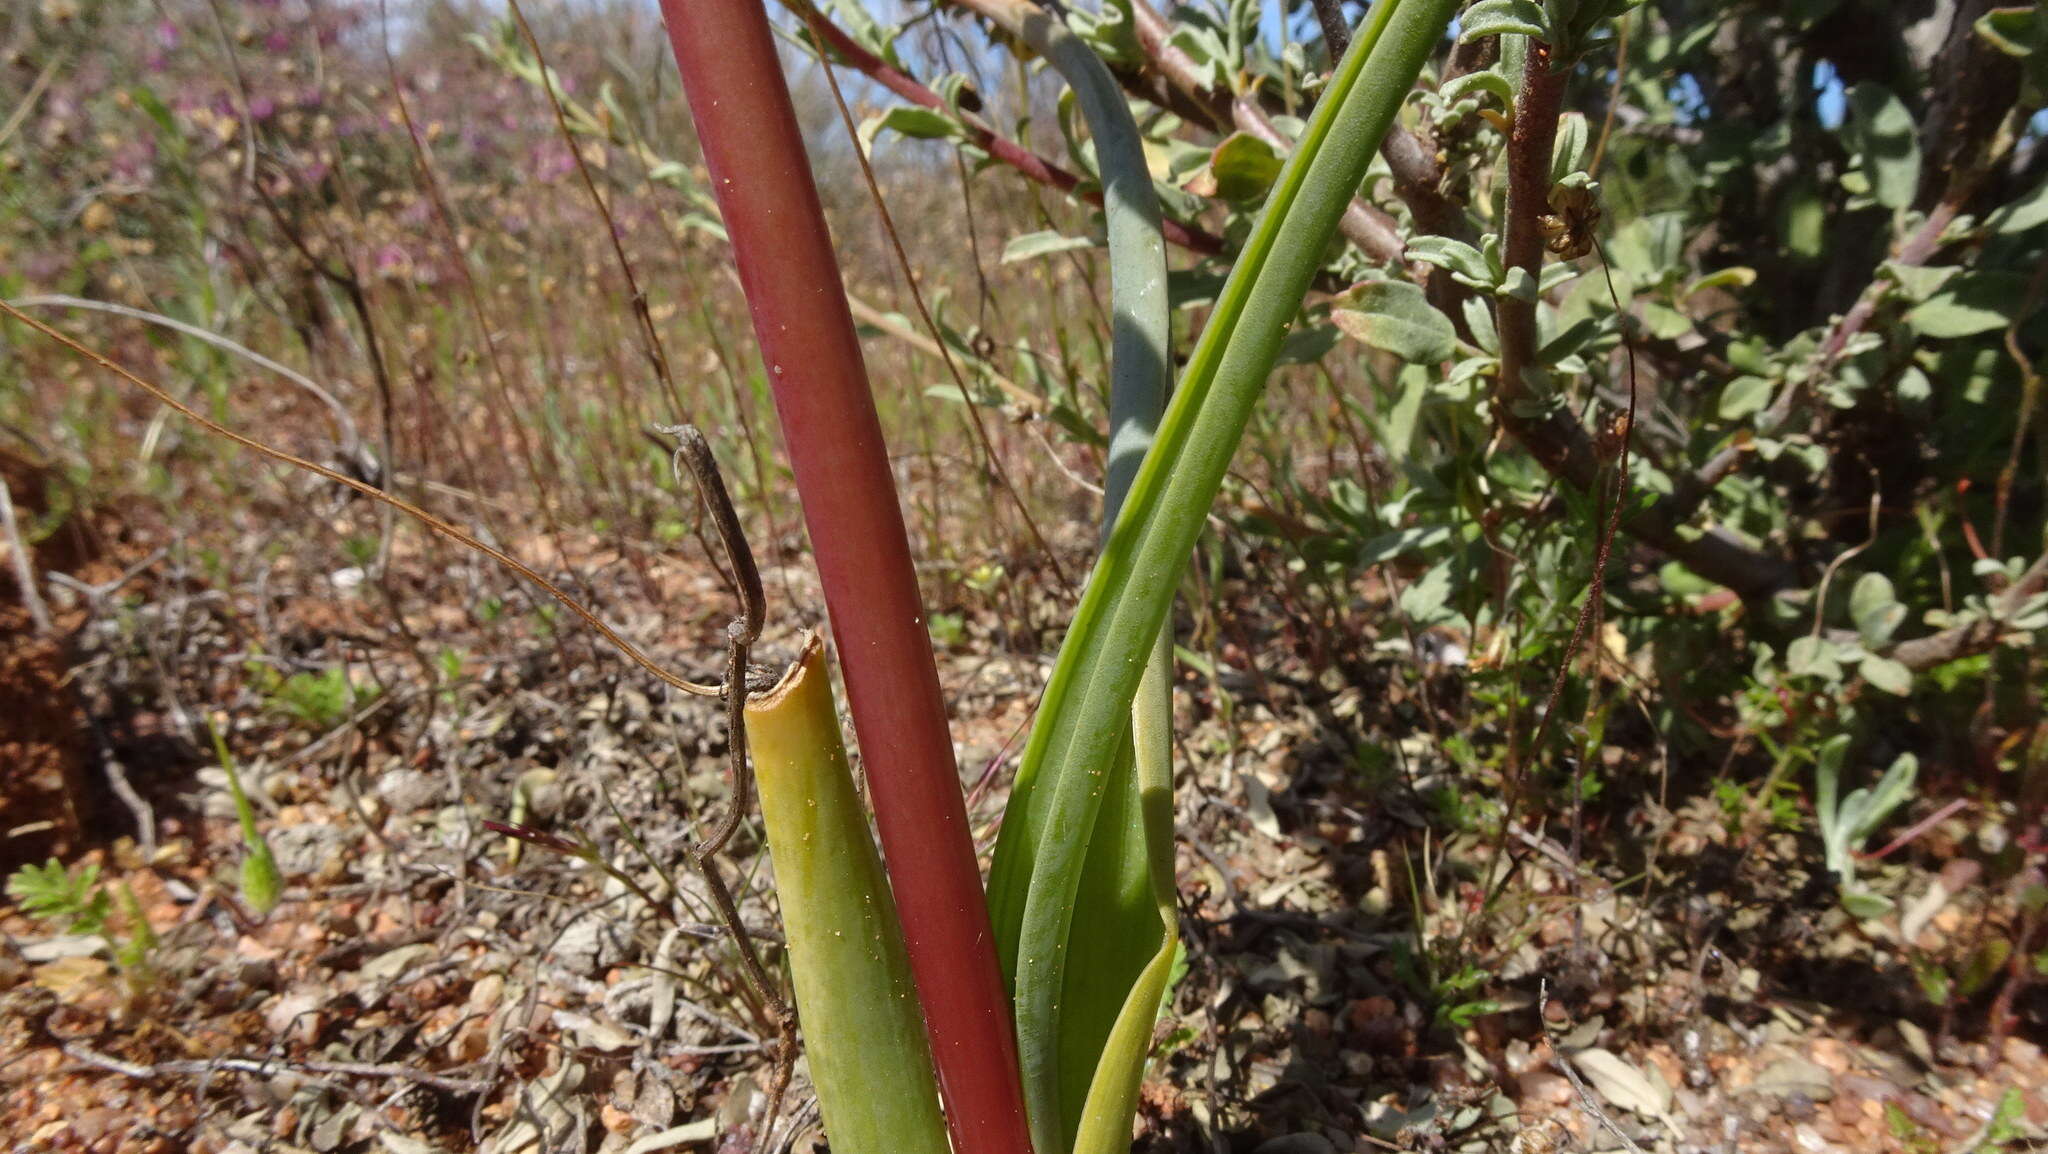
1502, 18
2029, 211
51, 891
1461, 260
1485, 81
1875, 609
1396, 317
1883, 133
1973, 303
909, 120
1068, 762
1813, 657
1125, 925
2020, 31
1983, 966
1735, 276
1244, 167
1864, 905
1802, 221
146, 98
1045, 242
1888, 675
1568, 152
1742, 397
1919, 282
1424, 600
846, 950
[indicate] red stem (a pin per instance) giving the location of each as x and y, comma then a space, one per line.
1008, 151
787, 265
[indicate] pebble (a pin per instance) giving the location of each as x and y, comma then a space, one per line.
1544, 1087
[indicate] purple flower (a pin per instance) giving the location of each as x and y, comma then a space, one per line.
552, 161
134, 159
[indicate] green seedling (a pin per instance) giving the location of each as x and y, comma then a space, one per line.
1847, 822
262, 882
53, 893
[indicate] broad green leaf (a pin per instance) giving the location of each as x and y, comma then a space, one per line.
1883, 133
1802, 221
1083, 1062
2020, 30
1045, 242
1395, 316
1086, 709
846, 952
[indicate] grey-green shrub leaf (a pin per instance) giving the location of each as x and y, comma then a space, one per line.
1876, 610
1472, 83
1742, 397
1888, 675
1045, 242
1884, 136
1396, 317
1973, 303
1461, 260
1568, 154
1501, 18
1865, 905
906, 120
2029, 211
1622, 1083
1813, 657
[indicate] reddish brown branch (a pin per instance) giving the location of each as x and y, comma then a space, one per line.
1368, 227
1977, 636
1558, 442
761, 172
1008, 151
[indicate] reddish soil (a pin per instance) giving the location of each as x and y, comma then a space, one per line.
43, 806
